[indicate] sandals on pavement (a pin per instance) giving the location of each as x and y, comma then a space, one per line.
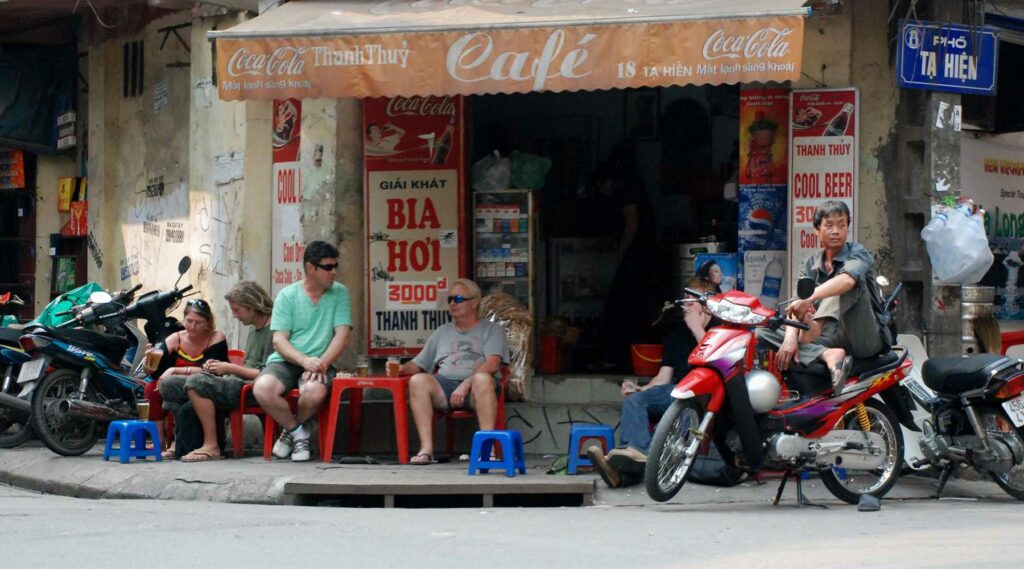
202, 455
422, 458
168, 454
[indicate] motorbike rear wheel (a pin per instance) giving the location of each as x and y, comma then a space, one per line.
61, 433
996, 424
667, 461
849, 487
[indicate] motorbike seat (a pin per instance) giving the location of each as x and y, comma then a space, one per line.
867, 367
109, 345
9, 336
955, 375
813, 378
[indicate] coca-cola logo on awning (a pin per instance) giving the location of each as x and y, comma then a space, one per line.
282, 61
764, 43
420, 106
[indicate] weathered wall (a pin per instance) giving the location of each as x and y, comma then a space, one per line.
875, 77
172, 134
826, 57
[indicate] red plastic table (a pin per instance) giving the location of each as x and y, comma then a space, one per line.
399, 388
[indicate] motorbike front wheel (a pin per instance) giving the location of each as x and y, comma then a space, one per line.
61, 433
849, 485
668, 462
14, 431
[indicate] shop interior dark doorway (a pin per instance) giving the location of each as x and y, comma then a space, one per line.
667, 155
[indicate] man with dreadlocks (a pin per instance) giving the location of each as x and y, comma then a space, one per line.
219, 387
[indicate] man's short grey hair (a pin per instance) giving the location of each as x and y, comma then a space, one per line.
470, 286
830, 208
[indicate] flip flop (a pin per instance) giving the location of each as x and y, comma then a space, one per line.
201, 455
422, 458
168, 454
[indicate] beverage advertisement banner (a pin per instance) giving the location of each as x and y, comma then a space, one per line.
508, 60
823, 127
413, 159
764, 145
287, 245
764, 276
994, 175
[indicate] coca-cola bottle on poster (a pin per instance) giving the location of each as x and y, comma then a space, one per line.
837, 126
444, 145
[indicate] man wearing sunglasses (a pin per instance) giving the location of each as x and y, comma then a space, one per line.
311, 325
457, 368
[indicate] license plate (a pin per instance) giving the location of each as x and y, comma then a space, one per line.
30, 371
1015, 409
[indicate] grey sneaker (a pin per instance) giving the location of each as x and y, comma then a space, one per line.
283, 446
608, 473
301, 451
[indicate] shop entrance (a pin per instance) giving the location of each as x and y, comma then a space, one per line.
664, 157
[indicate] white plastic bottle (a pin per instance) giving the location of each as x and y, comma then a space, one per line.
771, 286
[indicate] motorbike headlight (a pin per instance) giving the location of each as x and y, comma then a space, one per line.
734, 313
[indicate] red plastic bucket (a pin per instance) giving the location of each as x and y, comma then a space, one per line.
646, 359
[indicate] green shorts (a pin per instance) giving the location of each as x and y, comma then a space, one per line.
224, 390
290, 375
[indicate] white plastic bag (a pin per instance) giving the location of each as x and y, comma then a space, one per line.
492, 173
957, 245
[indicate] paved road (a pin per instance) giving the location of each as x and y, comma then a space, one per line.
44, 531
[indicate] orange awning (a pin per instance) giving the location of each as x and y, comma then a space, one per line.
446, 47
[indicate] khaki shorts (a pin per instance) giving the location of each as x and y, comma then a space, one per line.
290, 375
224, 390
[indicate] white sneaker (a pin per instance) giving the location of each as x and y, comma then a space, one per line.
284, 444
301, 451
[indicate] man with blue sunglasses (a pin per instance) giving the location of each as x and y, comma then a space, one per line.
457, 368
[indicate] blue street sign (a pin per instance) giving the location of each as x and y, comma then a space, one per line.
947, 57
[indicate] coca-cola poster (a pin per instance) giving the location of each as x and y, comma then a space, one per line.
414, 165
286, 234
823, 157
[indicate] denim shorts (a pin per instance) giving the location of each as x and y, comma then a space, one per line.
449, 385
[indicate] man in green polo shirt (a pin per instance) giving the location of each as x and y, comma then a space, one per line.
312, 322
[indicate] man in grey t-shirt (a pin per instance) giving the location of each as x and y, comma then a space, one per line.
457, 368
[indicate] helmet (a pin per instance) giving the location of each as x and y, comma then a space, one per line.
764, 390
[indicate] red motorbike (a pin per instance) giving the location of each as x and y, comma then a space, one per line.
785, 422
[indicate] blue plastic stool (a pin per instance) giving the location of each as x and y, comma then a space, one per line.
580, 433
511, 443
132, 437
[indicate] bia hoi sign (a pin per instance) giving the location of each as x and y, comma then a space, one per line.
947, 57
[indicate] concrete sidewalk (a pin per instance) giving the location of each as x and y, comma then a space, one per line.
255, 481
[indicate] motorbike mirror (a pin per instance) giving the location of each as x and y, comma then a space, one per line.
805, 287
100, 297
882, 281
184, 264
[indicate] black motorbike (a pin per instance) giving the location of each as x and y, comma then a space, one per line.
90, 368
976, 407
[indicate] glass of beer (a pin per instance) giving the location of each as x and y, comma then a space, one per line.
362, 366
143, 407
153, 358
394, 366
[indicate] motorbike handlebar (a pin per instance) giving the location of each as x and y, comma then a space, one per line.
795, 324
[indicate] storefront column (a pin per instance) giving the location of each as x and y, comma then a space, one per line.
349, 195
